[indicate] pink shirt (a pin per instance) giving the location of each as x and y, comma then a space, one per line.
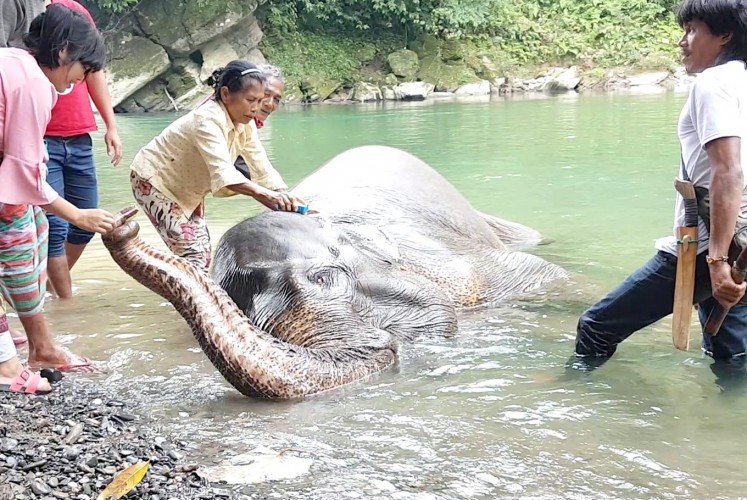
26, 101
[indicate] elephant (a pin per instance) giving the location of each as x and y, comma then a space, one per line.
297, 304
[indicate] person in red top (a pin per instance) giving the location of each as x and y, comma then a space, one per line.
71, 167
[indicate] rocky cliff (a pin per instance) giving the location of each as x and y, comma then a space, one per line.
163, 52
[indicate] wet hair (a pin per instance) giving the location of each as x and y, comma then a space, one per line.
723, 17
271, 71
59, 28
236, 77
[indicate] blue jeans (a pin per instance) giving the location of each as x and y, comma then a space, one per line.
71, 172
647, 296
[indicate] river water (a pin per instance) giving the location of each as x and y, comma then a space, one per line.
486, 414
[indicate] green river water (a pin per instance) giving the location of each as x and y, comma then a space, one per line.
481, 415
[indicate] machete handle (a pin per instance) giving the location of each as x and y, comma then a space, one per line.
719, 312
686, 189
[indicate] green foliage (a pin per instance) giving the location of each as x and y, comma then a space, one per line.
304, 55
608, 32
116, 6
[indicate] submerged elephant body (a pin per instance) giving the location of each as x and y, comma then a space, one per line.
393, 254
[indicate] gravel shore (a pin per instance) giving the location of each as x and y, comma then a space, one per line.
70, 445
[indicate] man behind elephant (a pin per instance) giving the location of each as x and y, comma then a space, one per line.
713, 140
274, 88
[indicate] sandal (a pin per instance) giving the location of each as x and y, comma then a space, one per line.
27, 382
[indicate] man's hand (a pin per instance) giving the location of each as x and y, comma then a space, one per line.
725, 290
113, 145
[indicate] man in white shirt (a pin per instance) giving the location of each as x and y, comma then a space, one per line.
712, 131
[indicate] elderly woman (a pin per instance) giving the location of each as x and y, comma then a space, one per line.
274, 88
63, 47
195, 155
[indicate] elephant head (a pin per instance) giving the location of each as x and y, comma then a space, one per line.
316, 284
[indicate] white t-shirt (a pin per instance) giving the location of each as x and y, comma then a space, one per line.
717, 107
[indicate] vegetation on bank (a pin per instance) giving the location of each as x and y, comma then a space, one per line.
322, 43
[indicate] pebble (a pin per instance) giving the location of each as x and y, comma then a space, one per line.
70, 444
40, 488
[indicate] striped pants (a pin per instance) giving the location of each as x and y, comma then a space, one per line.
23, 257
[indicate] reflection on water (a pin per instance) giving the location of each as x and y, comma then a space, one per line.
491, 412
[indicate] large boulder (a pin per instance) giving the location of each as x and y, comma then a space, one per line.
482, 88
163, 53
240, 42
135, 61
446, 77
404, 63
178, 90
366, 92
317, 88
562, 80
180, 26
413, 91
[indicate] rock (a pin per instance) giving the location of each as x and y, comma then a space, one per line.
562, 80
40, 488
259, 468
482, 88
404, 63
445, 77
179, 89
366, 92
388, 94
182, 25
366, 54
135, 61
74, 434
316, 88
8, 444
648, 79
237, 43
413, 91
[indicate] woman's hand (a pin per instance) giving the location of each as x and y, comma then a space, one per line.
94, 220
278, 200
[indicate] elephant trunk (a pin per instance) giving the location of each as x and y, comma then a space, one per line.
253, 361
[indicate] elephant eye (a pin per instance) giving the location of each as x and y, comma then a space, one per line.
321, 277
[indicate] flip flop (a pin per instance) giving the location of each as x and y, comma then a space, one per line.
84, 366
19, 341
27, 382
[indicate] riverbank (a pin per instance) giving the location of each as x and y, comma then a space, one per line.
72, 443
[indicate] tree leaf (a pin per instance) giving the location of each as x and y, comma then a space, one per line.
125, 481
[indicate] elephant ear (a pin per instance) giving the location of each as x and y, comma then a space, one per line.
372, 241
513, 234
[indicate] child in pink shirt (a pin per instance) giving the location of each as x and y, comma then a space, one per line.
63, 47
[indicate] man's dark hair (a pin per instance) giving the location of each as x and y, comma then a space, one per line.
60, 28
723, 17
236, 76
